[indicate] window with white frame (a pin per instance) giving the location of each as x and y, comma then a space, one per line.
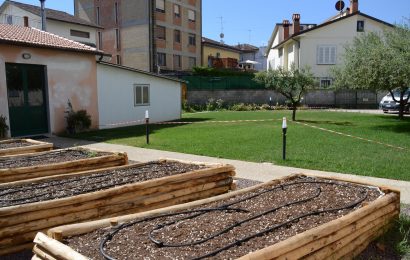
177, 10
141, 95
162, 59
191, 15
280, 57
160, 6
326, 54
325, 82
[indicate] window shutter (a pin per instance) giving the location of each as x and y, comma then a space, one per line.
333, 55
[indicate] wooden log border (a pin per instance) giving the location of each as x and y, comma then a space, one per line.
19, 224
25, 173
344, 237
35, 147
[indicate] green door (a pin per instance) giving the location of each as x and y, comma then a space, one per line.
27, 99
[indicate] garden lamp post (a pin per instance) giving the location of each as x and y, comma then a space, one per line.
147, 125
270, 103
284, 130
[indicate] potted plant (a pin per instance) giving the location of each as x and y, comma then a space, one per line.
77, 121
3, 127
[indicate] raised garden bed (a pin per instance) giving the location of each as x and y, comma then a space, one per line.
35, 165
291, 218
30, 206
23, 146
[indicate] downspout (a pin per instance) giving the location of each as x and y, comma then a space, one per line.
151, 42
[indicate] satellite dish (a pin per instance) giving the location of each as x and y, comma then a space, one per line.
340, 5
222, 35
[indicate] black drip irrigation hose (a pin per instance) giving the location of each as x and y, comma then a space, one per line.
227, 207
55, 183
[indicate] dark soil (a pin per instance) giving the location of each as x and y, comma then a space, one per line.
55, 156
49, 190
132, 241
15, 144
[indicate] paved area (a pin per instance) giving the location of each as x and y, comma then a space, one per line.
247, 170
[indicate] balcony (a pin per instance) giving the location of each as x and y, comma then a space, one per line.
17, 20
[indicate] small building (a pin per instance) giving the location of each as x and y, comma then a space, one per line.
321, 46
58, 22
41, 72
219, 55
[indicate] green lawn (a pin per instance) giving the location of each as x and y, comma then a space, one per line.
262, 141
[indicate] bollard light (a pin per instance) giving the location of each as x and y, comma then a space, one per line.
284, 131
147, 125
270, 103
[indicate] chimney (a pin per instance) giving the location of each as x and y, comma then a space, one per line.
43, 16
296, 23
285, 29
25, 21
354, 6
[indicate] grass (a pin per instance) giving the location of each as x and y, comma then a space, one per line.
262, 141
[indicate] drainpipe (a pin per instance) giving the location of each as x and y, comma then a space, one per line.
43, 16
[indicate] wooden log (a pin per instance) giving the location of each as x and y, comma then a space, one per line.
311, 235
366, 238
34, 147
107, 200
352, 254
97, 212
36, 258
42, 253
113, 191
330, 249
15, 249
234, 185
57, 249
325, 241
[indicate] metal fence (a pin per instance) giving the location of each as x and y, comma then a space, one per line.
221, 83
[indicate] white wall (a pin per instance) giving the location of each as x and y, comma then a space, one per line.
116, 97
340, 34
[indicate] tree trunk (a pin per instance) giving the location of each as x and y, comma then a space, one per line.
401, 109
294, 112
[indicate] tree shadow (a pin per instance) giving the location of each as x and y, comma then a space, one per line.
317, 122
133, 131
394, 124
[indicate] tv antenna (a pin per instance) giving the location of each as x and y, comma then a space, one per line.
222, 35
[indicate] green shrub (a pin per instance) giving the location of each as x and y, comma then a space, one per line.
240, 107
3, 126
78, 121
211, 105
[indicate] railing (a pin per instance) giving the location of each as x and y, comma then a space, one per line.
17, 20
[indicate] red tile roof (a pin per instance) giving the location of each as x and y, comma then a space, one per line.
26, 36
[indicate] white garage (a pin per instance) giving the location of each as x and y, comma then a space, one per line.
124, 94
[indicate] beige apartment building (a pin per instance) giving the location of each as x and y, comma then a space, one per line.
149, 35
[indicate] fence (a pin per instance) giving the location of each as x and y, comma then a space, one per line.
221, 83
314, 98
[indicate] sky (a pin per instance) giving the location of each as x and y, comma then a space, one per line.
252, 21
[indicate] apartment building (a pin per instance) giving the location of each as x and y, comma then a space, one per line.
150, 35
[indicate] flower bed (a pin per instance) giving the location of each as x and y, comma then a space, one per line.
34, 165
30, 206
23, 146
292, 218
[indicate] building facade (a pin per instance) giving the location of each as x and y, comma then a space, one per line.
319, 47
58, 22
160, 35
219, 55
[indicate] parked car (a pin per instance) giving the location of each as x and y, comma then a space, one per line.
387, 103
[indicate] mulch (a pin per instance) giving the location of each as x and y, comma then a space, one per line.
51, 157
133, 242
15, 144
76, 185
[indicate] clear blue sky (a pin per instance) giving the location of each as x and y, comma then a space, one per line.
252, 21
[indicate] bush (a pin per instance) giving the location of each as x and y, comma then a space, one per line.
241, 107
211, 105
3, 126
78, 121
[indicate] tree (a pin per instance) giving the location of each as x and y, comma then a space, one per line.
292, 84
380, 62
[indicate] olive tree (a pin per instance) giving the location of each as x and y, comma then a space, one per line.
379, 62
292, 84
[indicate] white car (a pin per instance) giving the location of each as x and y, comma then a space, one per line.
388, 104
